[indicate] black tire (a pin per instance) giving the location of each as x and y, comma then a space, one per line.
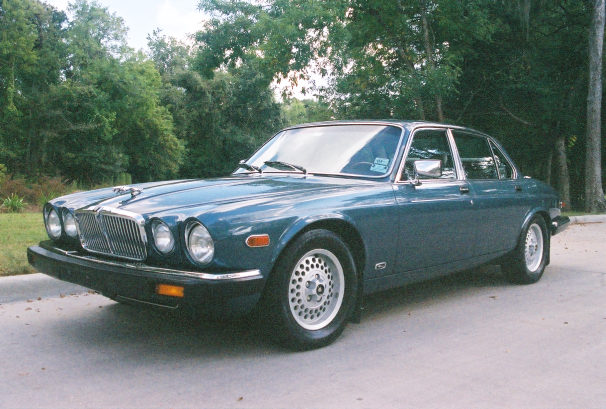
304, 304
523, 265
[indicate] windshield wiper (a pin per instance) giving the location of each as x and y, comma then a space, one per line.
273, 163
246, 166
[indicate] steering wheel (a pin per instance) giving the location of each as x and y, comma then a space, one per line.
360, 166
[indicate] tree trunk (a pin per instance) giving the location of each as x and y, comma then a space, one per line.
525, 18
418, 99
431, 62
562, 168
594, 193
548, 167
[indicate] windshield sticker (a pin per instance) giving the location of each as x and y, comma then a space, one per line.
380, 165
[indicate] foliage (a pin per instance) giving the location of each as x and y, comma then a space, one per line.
40, 191
222, 119
76, 101
13, 203
514, 69
89, 113
308, 110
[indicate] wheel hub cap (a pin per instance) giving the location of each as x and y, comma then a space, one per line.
315, 289
533, 249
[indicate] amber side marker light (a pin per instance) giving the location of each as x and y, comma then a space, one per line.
170, 290
258, 240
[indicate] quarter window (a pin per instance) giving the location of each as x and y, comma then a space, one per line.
505, 169
476, 156
430, 144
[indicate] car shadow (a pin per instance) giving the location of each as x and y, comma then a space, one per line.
448, 286
133, 333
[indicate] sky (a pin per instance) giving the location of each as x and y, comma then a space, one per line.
176, 18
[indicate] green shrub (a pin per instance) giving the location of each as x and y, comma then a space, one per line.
17, 186
3, 172
123, 178
38, 191
14, 203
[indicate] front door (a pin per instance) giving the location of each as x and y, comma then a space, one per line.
436, 217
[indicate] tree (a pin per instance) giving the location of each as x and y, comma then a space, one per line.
32, 56
594, 193
297, 111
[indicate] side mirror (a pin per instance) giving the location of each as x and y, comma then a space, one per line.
427, 168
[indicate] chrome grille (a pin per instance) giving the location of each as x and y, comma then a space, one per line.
111, 234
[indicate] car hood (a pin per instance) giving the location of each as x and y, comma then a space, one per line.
176, 195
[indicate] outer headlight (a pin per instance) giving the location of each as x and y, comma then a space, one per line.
199, 243
69, 224
53, 224
163, 238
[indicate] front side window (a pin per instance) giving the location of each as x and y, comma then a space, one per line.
476, 156
430, 144
361, 150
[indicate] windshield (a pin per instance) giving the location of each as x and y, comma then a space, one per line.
363, 150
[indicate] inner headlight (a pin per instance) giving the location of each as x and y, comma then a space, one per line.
163, 238
199, 243
69, 224
53, 224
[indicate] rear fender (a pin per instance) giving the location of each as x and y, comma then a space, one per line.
544, 213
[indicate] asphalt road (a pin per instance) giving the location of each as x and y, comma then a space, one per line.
466, 341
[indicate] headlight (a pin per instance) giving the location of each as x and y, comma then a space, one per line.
69, 224
199, 243
53, 224
163, 238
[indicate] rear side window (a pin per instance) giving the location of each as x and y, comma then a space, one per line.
476, 156
505, 169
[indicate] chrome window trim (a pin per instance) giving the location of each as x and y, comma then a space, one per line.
457, 158
140, 221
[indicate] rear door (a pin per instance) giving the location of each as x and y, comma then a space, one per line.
500, 201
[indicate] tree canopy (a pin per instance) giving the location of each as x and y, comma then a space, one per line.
76, 101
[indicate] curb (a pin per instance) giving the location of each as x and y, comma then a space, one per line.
590, 218
38, 285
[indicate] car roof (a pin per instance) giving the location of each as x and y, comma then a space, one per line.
408, 124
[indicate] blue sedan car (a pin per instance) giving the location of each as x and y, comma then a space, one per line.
320, 215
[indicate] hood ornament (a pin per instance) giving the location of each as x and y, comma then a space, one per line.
134, 191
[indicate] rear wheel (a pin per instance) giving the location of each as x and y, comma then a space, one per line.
311, 291
527, 262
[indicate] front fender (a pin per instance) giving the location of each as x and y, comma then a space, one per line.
300, 224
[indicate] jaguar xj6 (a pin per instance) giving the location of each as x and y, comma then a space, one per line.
319, 216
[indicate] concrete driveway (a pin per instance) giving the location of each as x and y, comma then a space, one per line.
466, 341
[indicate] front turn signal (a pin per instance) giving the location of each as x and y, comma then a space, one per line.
258, 240
170, 290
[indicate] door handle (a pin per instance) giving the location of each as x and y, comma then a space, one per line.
518, 188
464, 189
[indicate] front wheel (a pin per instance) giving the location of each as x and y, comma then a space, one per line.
311, 291
527, 262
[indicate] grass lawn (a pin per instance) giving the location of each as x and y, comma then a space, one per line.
17, 232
